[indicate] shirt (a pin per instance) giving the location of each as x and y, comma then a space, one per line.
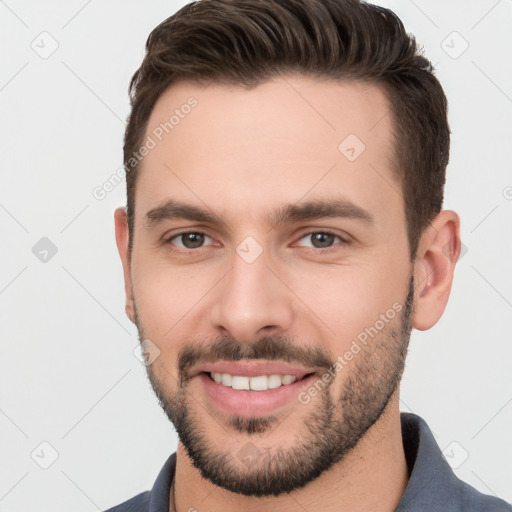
432, 486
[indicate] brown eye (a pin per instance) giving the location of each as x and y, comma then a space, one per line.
189, 240
321, 240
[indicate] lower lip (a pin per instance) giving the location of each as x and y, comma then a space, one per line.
249, 404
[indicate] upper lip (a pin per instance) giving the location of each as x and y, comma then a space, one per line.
252, 368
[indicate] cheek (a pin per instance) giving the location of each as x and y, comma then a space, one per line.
174, 301
164, 294
348, 300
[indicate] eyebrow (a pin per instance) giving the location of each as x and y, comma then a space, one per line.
295, 212
319, 209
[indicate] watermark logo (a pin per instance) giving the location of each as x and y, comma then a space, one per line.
44, 250
248, 454
454, 45
45, 45
249, 249
147, 352
455, 454
351, 147
44, 455
448, 248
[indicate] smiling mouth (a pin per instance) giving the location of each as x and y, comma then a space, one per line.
255, 383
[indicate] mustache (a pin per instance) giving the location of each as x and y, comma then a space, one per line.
269, 348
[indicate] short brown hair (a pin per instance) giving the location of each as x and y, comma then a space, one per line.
246, 42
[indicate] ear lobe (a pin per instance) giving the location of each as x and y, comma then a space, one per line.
130, 313
122, 241
437, 255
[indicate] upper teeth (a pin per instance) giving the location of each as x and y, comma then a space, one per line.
259, 383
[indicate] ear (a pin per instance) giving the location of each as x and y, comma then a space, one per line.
122, 240
438, 252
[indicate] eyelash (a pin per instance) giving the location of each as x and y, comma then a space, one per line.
168, 241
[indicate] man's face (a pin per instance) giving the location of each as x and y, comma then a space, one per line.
279, 275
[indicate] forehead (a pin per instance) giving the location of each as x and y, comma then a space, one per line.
289, 138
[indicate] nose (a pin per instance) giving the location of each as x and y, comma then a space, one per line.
251, 301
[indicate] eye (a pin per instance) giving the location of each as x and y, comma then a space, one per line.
189, 240
321, 240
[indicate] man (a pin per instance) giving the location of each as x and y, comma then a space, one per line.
283, 235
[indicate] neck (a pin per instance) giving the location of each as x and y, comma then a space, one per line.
372, 476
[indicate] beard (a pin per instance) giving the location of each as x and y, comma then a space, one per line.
331, 430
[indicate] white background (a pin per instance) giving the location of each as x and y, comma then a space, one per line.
68, 373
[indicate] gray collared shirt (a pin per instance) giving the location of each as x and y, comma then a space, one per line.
432, 486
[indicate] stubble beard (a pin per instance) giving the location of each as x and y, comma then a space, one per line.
330, 431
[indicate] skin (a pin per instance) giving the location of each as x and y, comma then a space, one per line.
240, 154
